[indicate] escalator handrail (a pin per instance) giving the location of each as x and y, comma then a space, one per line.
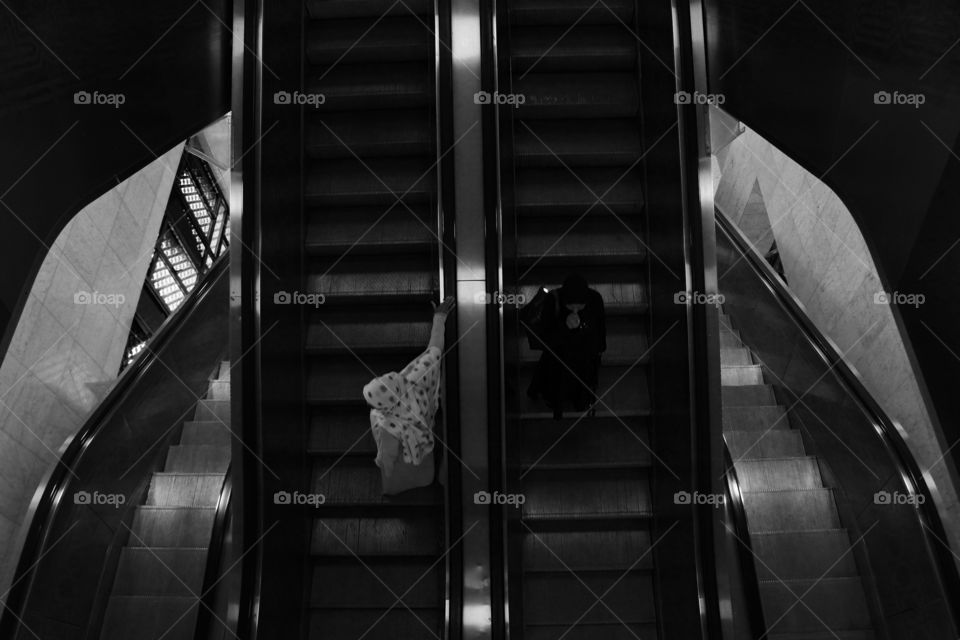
211, 571
900, 454
46, 500
748, 569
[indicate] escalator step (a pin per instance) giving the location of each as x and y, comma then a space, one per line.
356, 483
577, 95
581, 48
325, 9
779, 474
369, 230
626, 342
340, 379
594, 191
564, 598
587, 495
374, 332
619, 298
828, 604
577, 143
601, 240
371, 281
160, 572
403, 132
753, 395
398, 624
350, 583
740, 375
622, 390
197, 458
341, 431
359, 40
571, 11
790, 510
591, 442
150, 618
758, 444
755, 418
583, 550
411, 535
171, 527
370, 86
804, 555
382, 181
205, 432
184, 489
591, 631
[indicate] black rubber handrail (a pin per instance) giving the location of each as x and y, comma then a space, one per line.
748, 568
934, 533
47, 499
211, 572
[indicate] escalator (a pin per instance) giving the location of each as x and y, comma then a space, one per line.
580, 564
374, 562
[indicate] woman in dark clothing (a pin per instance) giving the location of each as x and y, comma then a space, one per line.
574, 334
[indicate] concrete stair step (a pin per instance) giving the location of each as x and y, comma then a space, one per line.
184, 489
198, 458
218, 390
779, 474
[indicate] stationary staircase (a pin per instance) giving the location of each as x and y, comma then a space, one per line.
371, 248
802, 551
159, 579
584, 532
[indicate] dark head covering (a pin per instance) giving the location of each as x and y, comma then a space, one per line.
574, 290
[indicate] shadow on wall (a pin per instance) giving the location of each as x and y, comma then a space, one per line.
69, 341
777, 203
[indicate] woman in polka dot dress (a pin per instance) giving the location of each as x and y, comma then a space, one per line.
403, 408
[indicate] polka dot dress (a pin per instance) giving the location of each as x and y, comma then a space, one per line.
404, 405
